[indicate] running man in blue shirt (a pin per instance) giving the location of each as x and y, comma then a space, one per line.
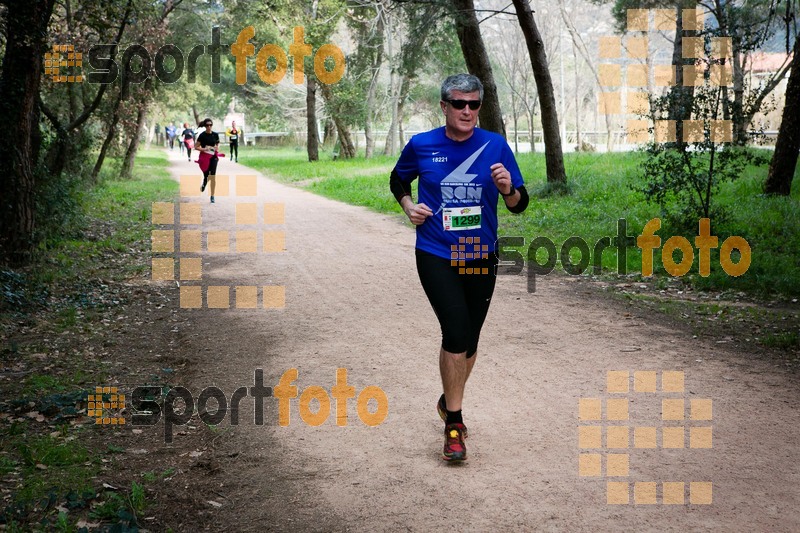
462, 171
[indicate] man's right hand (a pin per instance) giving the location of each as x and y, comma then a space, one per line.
417, 213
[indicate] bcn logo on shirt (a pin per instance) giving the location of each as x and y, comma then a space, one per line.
458, 187
467, 192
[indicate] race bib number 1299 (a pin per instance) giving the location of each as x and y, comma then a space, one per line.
461, 218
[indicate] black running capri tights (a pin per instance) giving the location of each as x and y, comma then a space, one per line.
212, 167
460, 301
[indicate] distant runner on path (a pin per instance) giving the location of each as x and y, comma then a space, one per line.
188, 140
171, 133
233, 134
208, 145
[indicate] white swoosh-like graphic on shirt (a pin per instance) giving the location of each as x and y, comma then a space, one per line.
459, 174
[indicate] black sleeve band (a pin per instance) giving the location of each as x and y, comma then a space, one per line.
523, 201
398, 187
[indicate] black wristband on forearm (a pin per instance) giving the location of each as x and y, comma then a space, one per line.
512, 192
522, 203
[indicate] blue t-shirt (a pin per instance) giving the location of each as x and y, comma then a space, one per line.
454, 176
171, 131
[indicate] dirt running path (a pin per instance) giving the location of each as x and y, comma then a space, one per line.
353, 301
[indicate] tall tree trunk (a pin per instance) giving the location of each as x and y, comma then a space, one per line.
196, 116
681, 97
26, 31
577, 42
368, 134
577, 98
395, 88
735, 112
377, 61
739, 126
112, 129
347, 149
401, 104
58, 155
133, 146
515, 119
312, 137
148, 128
71, 87
110, 134
553, 154
531, 135
389, 146
396, 79
784, 160
477, 60
329, 133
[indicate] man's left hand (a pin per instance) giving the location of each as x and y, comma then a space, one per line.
501, 178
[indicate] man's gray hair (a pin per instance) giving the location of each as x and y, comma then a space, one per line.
465, 83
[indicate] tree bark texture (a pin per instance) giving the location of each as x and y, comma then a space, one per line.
133, 146
681, 97
784, 160
477, 60
553, 154
312, 137
26, 30
112, 129
347, 149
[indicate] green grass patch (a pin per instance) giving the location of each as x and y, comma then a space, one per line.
359, 181
36, 383
48, 465
365, 191
601, 190
61, 297
785, 340
123, 508
290, 166
113, 224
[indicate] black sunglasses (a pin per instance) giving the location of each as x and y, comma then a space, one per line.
461, 104
208, 124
